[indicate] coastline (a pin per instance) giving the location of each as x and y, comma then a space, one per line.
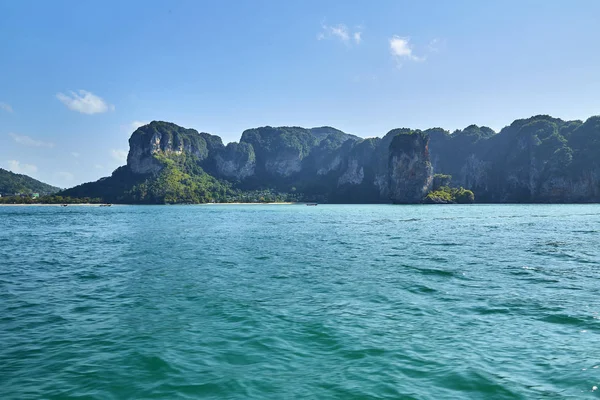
281, 203
51, 205
285, 203
98, 205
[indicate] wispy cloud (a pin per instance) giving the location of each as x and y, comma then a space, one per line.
401, 50
84, 102
75, 154
357, 37
340, 32
19, 168
119, 155
28, 141
6, 107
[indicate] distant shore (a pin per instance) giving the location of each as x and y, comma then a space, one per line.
116, 204
52, 205
248, 204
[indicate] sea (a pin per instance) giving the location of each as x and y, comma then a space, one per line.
296, 302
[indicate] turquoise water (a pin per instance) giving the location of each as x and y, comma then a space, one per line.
289, 301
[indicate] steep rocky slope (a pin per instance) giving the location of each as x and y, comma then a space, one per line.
410, 170
539, 159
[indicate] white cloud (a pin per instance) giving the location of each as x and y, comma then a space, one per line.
28, 141
6, 107
85, 102
75, 154
119, 155
400, 47
339, 32
402, 50
18, 168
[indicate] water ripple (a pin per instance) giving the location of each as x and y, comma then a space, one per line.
328, 302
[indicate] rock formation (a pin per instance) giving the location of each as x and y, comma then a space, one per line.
236, 160
410, 170
539, 159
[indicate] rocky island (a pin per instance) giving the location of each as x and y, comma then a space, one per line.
536, 160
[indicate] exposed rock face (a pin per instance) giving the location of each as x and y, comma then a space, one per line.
237, 161
330, 166
411, 173
284, 165
279, 151
140, 157
169, 139
353, 175
475, 172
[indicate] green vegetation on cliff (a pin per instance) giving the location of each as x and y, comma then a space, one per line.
440, 180
181, 180
448, 195
537, 159
280, 140
11, 183
178, 137
442, 193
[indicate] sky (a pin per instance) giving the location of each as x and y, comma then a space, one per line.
78, 77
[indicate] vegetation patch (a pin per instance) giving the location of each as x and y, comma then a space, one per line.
448, 195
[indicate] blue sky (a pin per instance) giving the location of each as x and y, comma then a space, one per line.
77, 76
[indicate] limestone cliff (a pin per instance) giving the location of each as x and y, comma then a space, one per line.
168, 139
410, 170
279, 151
236, 160
539, 159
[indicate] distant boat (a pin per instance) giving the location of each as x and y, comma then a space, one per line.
311, 204
64, 205
105, 205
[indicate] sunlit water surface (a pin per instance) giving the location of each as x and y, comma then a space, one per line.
289, 301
